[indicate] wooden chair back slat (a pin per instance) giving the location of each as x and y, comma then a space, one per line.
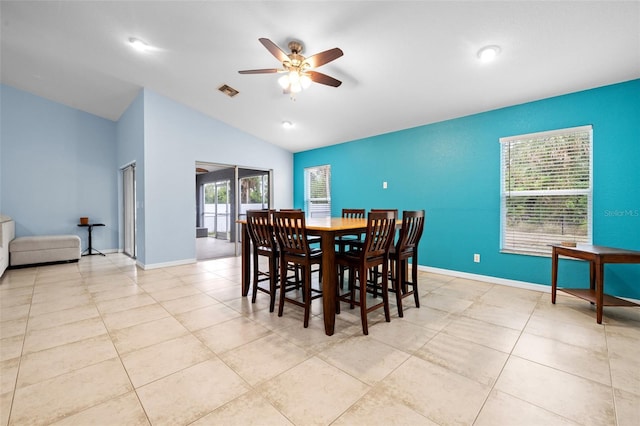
353, 213
289, 227
381, 231
411, 230
260, 229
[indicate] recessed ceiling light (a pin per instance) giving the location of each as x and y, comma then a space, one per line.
488, 53
287, 124
138, 44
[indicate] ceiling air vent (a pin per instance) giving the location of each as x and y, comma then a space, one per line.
228, 90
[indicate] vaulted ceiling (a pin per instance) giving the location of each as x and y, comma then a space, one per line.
405, 64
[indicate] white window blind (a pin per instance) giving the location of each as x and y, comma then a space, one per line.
317, 192
546, 190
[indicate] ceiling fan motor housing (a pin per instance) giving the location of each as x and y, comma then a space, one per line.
295, 58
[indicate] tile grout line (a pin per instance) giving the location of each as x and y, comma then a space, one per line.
119, 355
24, 338
491, 390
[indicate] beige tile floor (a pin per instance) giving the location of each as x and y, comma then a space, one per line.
101, 342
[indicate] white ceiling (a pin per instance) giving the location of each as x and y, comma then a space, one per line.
405, 64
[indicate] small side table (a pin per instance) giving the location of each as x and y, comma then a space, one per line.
597, 256
90, 249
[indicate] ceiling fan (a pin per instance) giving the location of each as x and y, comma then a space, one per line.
298, 70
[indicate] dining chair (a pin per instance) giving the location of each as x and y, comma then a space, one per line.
375, 272
406, 248
313, 239
345, 242
264, 244
374, 252
394, 211
291, 234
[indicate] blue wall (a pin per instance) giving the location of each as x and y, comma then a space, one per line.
452, 170
58, 164
130, 150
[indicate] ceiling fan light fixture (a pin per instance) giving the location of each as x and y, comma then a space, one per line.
284, 81
294, 77
295, 87
294, 82
488, 53
138, 44
305, 81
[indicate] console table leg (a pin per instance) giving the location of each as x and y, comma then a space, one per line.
554, 275
599, 269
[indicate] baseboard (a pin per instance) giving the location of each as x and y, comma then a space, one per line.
108, 251
500, 281
487, 279
165, 264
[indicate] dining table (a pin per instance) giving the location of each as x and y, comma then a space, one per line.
327, 228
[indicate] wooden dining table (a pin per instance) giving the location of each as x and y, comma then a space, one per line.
328, 229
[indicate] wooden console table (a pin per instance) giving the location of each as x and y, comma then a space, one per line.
597, 256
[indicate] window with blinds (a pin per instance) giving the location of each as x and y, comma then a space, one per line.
317, 193
546, 190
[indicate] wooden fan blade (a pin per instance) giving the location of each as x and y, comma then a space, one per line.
262, 71
324, 57
274, 49
318, 77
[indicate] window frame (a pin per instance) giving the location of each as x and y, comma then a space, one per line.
308, 201
506, 193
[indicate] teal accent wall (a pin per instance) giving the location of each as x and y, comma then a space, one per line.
452, 170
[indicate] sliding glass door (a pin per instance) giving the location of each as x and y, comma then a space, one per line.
129, 210
217, 209
254, 191
224, 193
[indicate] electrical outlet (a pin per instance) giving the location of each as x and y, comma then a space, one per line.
384, 185
476, 258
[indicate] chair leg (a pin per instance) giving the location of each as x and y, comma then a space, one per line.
297, 274
352, 287
306, 286
337, 295
273, 282
283, 285
397, 286
363, 300
373, 272
255, 278
341, 268
385, 293
414, 273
